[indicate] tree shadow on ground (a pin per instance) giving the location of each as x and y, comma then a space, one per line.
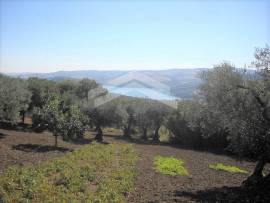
226, 194
19, 127
39, 148
175, 145
2, 135
81, 141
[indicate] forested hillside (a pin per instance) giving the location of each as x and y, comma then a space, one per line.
182, 82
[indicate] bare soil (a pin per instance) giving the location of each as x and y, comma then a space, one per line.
202, 185
22, 147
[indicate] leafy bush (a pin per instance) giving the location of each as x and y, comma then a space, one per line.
170, 166
231, 169
94, 173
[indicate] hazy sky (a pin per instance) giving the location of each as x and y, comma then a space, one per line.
46, 36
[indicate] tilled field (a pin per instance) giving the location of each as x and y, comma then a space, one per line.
201, 185
18, 147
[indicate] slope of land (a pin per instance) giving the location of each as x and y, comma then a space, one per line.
96, 172
201, 185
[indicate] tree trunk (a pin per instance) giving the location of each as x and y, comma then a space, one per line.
257, 176
55, 141
267, 180
127, 131
156, 135
99, 135
23, 116
144, 135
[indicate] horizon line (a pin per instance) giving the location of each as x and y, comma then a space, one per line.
101, 70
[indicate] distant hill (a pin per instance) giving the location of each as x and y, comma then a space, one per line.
181, 82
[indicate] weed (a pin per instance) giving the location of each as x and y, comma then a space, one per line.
94, 173
228, 168
170, 166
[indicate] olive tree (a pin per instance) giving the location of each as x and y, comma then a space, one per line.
128, 118
84, 86
14, 99
40, 89
67, 123
74, 123
156, 113
241, 100
51, 117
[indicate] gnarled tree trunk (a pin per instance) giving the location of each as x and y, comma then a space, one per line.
99, 135
23, 116
127, 130
144, 135
257, 176
55, 140
156, 135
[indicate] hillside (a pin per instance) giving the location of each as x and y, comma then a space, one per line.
181, 82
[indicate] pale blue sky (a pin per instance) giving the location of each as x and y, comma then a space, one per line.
46, 36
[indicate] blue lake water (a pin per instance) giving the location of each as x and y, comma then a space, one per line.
141, 92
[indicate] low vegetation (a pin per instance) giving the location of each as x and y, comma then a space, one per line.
231, 169
170, 166
94, 173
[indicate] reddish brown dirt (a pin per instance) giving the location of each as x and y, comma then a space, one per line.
152, 186
17, 147
202, 185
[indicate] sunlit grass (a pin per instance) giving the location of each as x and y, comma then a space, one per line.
170, 166
112, 131
164, 134
228, 168
94, 173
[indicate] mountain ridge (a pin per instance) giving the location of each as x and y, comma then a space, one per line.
182, 82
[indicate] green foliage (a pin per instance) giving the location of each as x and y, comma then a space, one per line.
50, 115
84, 86
164, 134
170, 166
186, 123
14, 99
74, 123
67, 89
69, 124
41, 89
231, 169
94, 173
239, 101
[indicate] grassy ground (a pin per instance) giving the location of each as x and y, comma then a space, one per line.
93, 173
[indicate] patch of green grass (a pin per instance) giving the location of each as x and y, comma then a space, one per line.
170, 166
228, 168
164, 134
112, 131
93, 173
